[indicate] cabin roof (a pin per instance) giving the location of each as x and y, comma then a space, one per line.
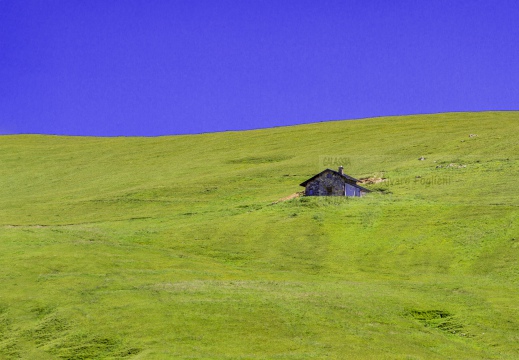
347, 177
362, 188
351, 180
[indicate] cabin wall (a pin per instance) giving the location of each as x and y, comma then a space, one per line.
328, 184
352, 190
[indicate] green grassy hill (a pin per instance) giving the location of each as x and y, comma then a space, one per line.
172, 248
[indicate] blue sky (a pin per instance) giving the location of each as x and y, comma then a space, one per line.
112, 68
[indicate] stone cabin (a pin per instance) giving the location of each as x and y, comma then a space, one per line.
333, 183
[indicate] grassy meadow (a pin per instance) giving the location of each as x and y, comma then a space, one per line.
176, 247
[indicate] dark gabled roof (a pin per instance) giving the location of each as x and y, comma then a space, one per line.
362, 188
347, 177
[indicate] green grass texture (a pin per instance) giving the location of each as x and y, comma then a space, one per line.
176, 247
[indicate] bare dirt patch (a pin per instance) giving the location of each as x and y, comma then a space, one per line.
372, 180
290, 197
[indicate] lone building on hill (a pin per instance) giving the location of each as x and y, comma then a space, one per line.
333, 183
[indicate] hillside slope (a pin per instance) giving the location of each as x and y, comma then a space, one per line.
171, 247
